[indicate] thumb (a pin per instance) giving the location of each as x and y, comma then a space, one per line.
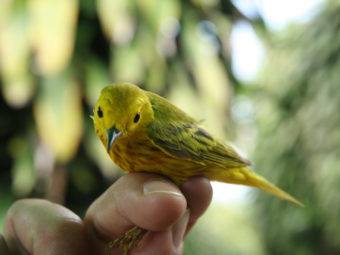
139, 199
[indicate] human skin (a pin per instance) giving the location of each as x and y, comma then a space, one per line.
36, 226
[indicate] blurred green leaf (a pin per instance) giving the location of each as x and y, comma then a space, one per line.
159, 15
52, 31
225, 230
127, 64
117, 19
59, 117
18, 86
97, 77
213, 84
24, 176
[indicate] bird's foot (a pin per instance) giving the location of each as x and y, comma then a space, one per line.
127, 241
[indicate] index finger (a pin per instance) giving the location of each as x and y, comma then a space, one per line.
36, 226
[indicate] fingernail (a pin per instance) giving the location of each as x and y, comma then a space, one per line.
179, 228
156, 187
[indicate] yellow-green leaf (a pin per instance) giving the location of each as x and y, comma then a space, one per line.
97, 77
58, 114
117, 21
52, 31
18, 86
127, 65
24, 176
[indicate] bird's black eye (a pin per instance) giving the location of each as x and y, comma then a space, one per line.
137, 117
100, 112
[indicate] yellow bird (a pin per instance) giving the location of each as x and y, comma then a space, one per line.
144, 132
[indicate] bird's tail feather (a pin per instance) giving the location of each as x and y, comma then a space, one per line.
245, 176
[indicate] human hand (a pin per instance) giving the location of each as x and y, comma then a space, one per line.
35, 226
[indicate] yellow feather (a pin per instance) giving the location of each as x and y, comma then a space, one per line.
246, 176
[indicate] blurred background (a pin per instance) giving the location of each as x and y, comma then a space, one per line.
263, 74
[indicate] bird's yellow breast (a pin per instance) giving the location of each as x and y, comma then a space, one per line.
140, 154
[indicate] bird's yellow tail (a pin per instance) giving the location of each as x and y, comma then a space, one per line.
246, 176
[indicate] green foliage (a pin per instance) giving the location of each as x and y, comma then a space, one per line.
298, 141
223, 230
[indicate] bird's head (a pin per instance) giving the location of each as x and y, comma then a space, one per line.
121, 110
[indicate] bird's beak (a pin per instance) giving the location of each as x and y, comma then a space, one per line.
112, 135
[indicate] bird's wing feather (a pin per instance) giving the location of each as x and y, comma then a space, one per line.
180, 136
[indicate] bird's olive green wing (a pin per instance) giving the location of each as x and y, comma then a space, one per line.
180, 136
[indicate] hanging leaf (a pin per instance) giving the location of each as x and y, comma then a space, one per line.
58, 114
18, 86
127, 65
52, 31
182, 94
155, 79
161, 16
213, 84
152, 60
23, 173
97, 77
205, 4
5, 11
117, 20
